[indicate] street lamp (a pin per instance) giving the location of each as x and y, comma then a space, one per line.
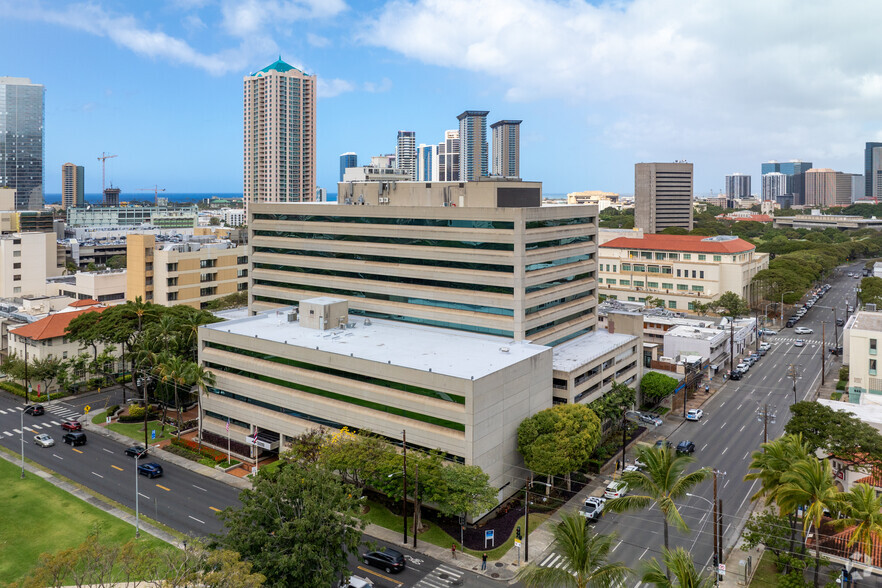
22, 444
782, 303
137, 513
711, 505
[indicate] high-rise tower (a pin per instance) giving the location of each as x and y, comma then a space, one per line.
738, 186
348, 159
448, 157
21, 140
72, 186
872, 165
405, 153
507, 148
473, 149
662, 196
279, 145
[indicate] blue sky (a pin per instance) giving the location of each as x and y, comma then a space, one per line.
599, 86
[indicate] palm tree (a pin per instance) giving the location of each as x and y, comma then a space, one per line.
585, 555
201, 378
662, 482
810, 482
863, 511
174, 370
680, 564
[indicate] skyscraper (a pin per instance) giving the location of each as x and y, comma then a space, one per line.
737, 186
473, 148
448, 157
348, 159
279, 145
796, 170
871, 161
662, 196
873, 185
405, 153
21, 140
72, 186
775, 184
427, 163
507, 148
820, 187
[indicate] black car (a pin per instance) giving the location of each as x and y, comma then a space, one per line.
388, 560
790, 323
735, 375
138, 451
663, 443
74, 438
685, 447
840, 322
151, 470
35, 409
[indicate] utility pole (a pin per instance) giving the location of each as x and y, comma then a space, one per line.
526, 519
731, 344
718, 530
720, 534
404, 481
823, 350
792, 374
835, 329
624, 436
764, 416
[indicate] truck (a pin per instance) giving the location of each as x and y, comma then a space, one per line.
593, 508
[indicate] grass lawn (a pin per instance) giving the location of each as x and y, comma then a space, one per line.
38, 517
380, 515
766, 574
136, 430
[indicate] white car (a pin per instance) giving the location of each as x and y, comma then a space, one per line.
694, 414
44, 440
799, 343
615, 489
803, 331
743, 366
765, 345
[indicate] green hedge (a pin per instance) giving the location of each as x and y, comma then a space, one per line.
17, 389
836, 396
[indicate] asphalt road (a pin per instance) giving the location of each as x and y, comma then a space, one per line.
729, 433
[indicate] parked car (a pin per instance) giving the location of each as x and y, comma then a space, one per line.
765, 345
151, 470
35, 409
651, 419
735, 375
593, 508
799, 343
768, 332
755, 356
138, 451
389, 560
694, 414
743, 367
74, 438
762, 351
803, 331
836, 350
44, 440
840, 322
664, 443
685, 447
615, 489
72, 426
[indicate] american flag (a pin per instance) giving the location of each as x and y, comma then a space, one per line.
228, 425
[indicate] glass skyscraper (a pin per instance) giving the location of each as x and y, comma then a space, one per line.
871, 167
796, 170
21, 140
348, 159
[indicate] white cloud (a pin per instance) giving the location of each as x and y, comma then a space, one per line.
333, 87
384, 86
249, 17
317, 40
672, 76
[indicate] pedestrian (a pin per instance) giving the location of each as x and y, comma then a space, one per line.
484, 561
453, 551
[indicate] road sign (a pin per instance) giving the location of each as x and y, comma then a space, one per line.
517, 543
722, 569
86, 409
488, 536
153, 434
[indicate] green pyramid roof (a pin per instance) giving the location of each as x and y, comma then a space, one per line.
279, 66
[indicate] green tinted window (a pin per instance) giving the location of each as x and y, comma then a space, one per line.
391, 240
412, 222
387, 259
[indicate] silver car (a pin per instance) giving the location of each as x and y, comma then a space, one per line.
44, 440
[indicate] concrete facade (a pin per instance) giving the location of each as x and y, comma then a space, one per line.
26, 260
106, 286
860, 346
506, 148
662, 196
586, 367
168, 217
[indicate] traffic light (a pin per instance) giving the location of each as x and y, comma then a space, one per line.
846, 576
716, 563
518, 532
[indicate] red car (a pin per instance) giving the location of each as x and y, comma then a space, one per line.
72, 426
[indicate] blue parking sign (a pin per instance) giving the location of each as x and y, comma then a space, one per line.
153, 434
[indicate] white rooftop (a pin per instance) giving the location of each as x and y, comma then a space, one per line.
867, 320
867, 413
691, 332
586, 348
444, 351
232, 313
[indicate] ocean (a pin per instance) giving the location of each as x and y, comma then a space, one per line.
172, 197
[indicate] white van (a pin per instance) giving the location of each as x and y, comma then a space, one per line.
356, 582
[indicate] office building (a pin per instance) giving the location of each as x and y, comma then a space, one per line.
168, 217
279, 137
775, 184
662, 196
405, 153
842, 194
871, 167
473, 148
106, 286
796, 169
820, 187
73, 184
737, 186
448, 157
348, 159
602, 200
26, 260
21, 140
858, 186
194, 271
678, 269
506, 148
427, 163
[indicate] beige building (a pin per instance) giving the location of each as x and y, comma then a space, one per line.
279, 135
506, 148
678, 269
73, 182
825, 187
662, 196
192, 272
105, 286
26, 260
860, 346
47, 337
600, 199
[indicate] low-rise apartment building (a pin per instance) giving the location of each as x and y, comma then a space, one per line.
680, 270
47, 337
860, 347
106, 286
26, 260
191, 271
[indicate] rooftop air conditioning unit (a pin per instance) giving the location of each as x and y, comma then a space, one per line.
870, 307
292, 316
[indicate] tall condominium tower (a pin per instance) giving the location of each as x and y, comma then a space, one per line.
796, 170
72, 186
21, 140
662, 196
348, 159
775, 184
427, 163
279, 149
871, 163
738, 186
507, 148
448, 157
820, 187
473, 149
405, 153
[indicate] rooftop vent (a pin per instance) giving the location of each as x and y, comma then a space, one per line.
504, 349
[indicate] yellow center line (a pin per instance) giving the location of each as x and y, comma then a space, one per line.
163, 487
75, 449
396, 582
214, 509
29, 430
116, 468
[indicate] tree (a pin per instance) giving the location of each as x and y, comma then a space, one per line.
678, 563
117, 262
656, 386
653, 302
297, 526
731, 305
176, 371
464, 489
810, 482
611, 405
863, 512
585, 557
662, 481
214, 221
871, 291
201, 378
837, 432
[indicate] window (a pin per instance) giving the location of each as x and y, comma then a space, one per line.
207, 277
171, 282
148, 266
16, 254
614, 268
172, 267
653, 269
702, 257
687, 256
626, 267
872, 367
659, 255
652, 284
872, 346
646, 254
701, 274
242, 259
667, 285
678, 273
16, 278
171, 296
667, 270
611, 282
243, 286
682, 287
638, 283
720, 258
691, 306
632, 254
639, 268
673, 256
242, 273
631, 299
698, 288
693, 273
624, 282
672, 304
16, 265
204, 263
210, 291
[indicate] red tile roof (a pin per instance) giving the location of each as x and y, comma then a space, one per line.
760, 218
837, 544
54, 325
691, 243
82, 303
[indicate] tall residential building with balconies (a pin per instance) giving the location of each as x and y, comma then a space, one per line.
405, 153
507, 148
427, 163
21, 140
473, 149
775, 184
738, 186
448, 157
279, 135
794, 168
72, 186
662, 196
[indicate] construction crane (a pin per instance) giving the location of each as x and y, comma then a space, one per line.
102, 159
156, 190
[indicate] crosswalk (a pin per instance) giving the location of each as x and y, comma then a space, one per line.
442, 577
553, 560
793, 339
63, 413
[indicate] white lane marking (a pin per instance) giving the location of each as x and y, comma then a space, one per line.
7, 433
144, 495
544, 563
99, 475
36, 426
617, 545
742, 428
745, 456
58, 456
721, 405
3, 411
17, 432
57, 424
727, 482
724, 451
705, 445
740, 405
724, 425
198, 488
107, 450
197, 520
644, 553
